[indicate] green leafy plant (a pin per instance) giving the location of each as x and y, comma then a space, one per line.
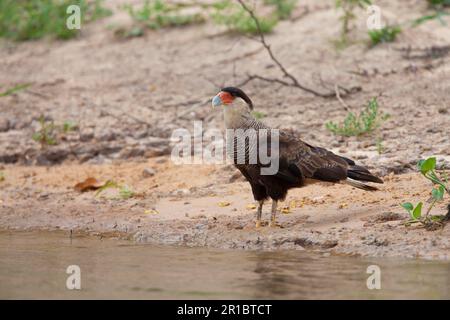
433, 16
355, 125
283, 8
34, 19
156, 14
125, 192
236, 19
428, 169
46, 134
438, 7
440, 186
348, 7
69, 126
107, 185
442, 3
386, 34
95, 10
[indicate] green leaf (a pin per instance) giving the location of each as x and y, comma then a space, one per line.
15, 89
69, 126
438, 193
407, 206
419, 164
427, 165
126, 193
417, 213
108, 184
37, 136
437, 15
386, 34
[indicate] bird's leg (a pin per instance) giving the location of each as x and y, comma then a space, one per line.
258, 213
273, 215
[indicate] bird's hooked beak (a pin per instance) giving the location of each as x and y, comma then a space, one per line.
216, 101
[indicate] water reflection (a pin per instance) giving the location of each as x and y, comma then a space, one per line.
33, 266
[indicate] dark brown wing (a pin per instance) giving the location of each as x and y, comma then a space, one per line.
310, 162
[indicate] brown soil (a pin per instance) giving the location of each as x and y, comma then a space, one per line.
128, 95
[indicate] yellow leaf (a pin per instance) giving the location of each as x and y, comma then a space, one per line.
251, 206
223, 204
152, 211
285, 210
343, 205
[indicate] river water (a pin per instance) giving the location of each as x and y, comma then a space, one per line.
34, 264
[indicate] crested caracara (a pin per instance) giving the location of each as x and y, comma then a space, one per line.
298, 162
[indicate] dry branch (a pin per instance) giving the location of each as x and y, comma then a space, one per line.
293, 80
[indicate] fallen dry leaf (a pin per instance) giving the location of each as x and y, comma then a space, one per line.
285, 210
251, 206
151, 211
88, 184
343, 205
223, 204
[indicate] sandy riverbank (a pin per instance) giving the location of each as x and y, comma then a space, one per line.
184, 205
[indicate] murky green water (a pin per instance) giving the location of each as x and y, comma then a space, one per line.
33, 265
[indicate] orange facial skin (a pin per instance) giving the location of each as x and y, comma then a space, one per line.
226, 97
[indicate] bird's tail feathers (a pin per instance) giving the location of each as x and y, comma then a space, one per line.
359, 185
362, 174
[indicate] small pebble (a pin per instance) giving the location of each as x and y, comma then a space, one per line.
148, 172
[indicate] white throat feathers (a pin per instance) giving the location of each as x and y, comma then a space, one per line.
236, 114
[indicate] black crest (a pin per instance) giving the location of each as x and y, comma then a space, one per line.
236, 92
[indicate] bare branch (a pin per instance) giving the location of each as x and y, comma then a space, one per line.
258, 77
295, 83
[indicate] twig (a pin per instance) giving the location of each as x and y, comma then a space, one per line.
39, 94
120, 117
295, 83
252, 77
338, 96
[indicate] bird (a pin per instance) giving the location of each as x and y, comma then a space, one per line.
299, 163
